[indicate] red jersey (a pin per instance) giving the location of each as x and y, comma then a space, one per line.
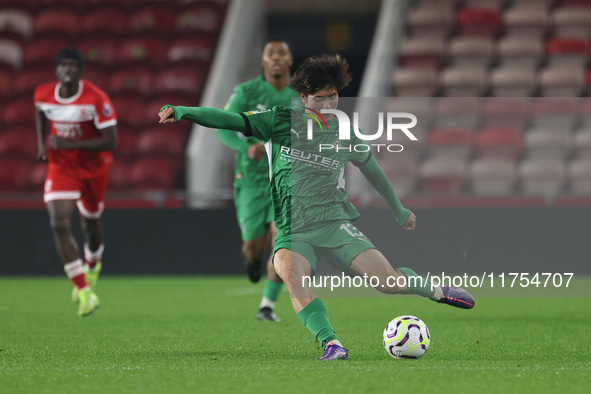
79, 117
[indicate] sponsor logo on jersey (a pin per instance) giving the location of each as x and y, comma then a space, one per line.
257, 112
68, 130
308, 158
261, 107
297, 133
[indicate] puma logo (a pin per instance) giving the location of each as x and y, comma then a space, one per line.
297, 133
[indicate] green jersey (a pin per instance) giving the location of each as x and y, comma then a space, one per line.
256, 94
307, 183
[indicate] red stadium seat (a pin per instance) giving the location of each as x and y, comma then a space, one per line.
11, 53
132, 79
152, 173
153, 107
126, 141
579, 174
499, 142
57, 20
479, 22
191, 48
511, 112
493, 176
19, 112
28, 79
99, 50
129, 110
204, 17
430, 22
17, 21
152, 18
104, 20
442, 175
18, 142
6, 78
43, 50
14, 174
37, 176
118, 175
181, 78
142, 49
98, 75
414, 82
572, 22
568, 50
453, 142
160, 139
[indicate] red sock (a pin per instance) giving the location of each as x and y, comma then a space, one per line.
90, 264
76, 274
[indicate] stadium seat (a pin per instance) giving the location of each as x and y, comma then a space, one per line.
582, 142
19, 112
18, 142
56, 20
579, 175
430, 22
586, 112
450, 142
558, 113
11, 53
129, 109
14, 174
43, 49
180, 78
526, 20
499, 142
547, 142
511, 112
526, 51
126, 141
444, 5
572, 22
495, 5
422, 52
562, 80
152, 108
6, 78
574, 3
542, 176
97, 74
36, 176
118, 175
191, 48
479, 22
401, 170
100, 21
574, 51
442, 175
200, 17
16, 21
513, 81
414, 82
99, 50
461, 113
132, 79
493, 176
152, 18
161, 140
463, 81
152, 173
142, 49
28, 79
471, 51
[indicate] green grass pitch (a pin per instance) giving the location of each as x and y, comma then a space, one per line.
197, 334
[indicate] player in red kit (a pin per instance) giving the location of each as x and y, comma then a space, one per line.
81, 123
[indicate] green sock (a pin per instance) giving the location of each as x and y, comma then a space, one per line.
315, 318
272, 290
417, 286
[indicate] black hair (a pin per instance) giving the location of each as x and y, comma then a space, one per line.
278, 39
70, 53
319, 72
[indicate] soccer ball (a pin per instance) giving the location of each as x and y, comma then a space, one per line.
406, 336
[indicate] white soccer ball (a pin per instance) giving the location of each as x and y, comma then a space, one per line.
406, 336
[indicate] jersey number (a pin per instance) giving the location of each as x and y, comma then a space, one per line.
352, 230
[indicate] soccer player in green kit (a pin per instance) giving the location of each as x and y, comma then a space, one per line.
312, 213
252, 190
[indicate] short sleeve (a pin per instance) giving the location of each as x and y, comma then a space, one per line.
260, 124
105, 112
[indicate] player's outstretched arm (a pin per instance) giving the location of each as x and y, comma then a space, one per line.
208, 117
375, 175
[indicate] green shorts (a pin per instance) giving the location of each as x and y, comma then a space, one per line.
336, 243
254, 210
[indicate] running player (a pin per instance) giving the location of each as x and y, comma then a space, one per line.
312, 213
252, 190
82, 130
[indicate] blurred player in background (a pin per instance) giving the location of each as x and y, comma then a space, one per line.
252, 189
82, 130
307, 186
